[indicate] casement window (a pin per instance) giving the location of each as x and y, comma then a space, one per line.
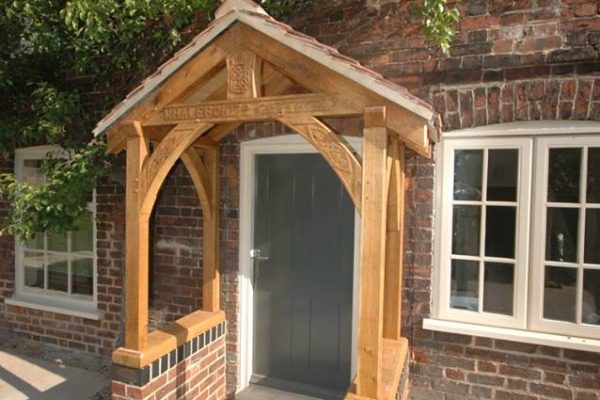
55, 272
518, 232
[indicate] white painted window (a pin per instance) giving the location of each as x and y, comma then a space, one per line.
518, 230
53, 271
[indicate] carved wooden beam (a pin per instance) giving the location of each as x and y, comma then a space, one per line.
168, 151
248, 110
334, 149
243, 75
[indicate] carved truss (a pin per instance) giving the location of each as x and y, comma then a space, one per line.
245, 75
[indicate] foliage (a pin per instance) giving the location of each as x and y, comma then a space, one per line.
58, 204
440, 22
55, 53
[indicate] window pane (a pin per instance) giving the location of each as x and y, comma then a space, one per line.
503, 167
82, 238
498, 287
561, 234
591, 297
34, 269
563, 175
58, 272
37, 243
467, 174
57, 242
465, 230
32, 173
593, 177
592, 236
465, 285
82, 276
560, 290
500, 231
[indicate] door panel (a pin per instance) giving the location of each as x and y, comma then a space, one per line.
304, 224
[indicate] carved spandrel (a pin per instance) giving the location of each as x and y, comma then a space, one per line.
333, 149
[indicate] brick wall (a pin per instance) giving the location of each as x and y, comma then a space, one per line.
97, 337
513, 60
194, 371
176, 250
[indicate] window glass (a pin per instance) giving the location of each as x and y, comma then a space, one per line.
593, 175
500, 231
465, 285
560, 293
561, 234
590, 313
57, 264
467, 174
563, 175
503, 174
498, 288
465, 230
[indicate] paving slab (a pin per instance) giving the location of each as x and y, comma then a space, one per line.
256, 392
27, 378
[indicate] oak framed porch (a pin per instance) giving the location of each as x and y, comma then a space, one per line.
248, 67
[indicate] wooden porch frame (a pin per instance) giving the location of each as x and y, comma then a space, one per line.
198, 105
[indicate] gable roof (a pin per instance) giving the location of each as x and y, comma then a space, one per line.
251, 14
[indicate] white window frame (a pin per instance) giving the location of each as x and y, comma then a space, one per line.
538, 322
532, 329
45, 299
521, 226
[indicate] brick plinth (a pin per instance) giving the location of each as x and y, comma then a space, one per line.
195, 370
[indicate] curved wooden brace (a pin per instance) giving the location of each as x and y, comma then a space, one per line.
197, 170
158, 165
334, 149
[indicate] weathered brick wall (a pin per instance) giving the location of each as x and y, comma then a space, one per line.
194, 371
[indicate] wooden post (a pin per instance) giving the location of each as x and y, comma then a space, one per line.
372, 255
210, 248
392, 320
136, 243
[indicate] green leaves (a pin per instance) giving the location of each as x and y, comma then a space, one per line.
62, 202
440, 22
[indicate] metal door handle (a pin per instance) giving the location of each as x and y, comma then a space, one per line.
255, 255
256, 259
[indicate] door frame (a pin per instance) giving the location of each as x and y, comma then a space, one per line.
283, 144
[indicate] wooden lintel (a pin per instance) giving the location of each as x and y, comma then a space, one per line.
136, 243
392, 320
334, 149
243, 75
247, 110
372, 255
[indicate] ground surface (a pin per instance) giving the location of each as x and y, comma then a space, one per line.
256, 392
32, 371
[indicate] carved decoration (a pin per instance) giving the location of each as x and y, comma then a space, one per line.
241, 75
162, 159
337, 153
255, 109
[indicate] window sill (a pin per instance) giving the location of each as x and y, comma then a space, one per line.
515, 335
59, 306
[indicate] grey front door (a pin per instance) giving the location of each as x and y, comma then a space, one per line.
304, 231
